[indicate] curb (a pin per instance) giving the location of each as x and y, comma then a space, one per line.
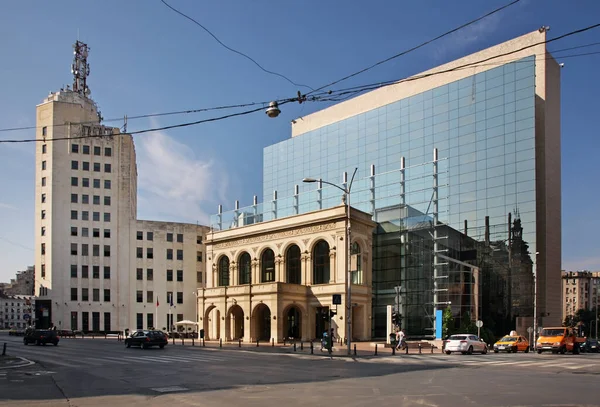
24, 363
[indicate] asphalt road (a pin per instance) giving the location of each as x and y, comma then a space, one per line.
88, 372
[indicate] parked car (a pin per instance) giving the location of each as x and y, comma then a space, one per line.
146, 339
41, 337
512, 343
590, 345
465, 344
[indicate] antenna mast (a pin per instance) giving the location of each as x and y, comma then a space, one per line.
80, 68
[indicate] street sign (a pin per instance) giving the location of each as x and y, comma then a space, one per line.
337, 299
479, 323
529, 330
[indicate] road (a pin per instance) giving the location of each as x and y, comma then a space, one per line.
99, 372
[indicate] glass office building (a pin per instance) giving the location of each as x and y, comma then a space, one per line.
457, 229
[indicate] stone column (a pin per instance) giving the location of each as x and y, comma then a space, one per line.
306, 265
332, 266
279, 273
255, 273
233, 274
215, 280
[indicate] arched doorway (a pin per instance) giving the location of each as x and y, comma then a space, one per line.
292, 327
262, 322
235, 323
212, 323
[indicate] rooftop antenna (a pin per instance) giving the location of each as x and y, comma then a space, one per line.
80, 68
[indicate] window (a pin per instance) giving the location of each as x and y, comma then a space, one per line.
85, 165
43, 231
73, 270
86, 150
85, 272
85, 215
95, 232
139, 296
267, 264
140, 252
179, 254
169, 275
140, 235
179, 275
96, 167
43, 198
43, 250
85, 250
139, 320
139, 274
149, 253
44, 131
73, 231
44, 148
85, 321
244, 269
150, 320
106, 251
43, 214
106, 217
321, 263
74, 148
43, 181
107, 272
74, 181
223, 271
85, 182
84, 232
43, 165
356, 263
73, 215
107, 201
96, 200
292, 265
169, 254
97, 150
96, 294
95, 272
73, 198
73, 320
149, 236
198, 276
85, 199
73, 293
107, 151
150, 296
73, 249
198, 239
96, 183
106, 184
107, 168
74, 165
179, 237
106, 295
107, 233
96, 250
169, 237
179, 297
96, 216
149, 274
43, 271
85, 294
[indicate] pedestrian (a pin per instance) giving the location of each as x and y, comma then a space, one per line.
400, 339
324, 341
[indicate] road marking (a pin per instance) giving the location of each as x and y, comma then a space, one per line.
117, 361
168, 389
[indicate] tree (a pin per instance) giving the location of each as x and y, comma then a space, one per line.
447, 322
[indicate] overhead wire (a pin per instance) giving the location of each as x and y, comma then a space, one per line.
231, 49
416, 47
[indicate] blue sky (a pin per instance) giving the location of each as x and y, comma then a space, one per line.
146, 59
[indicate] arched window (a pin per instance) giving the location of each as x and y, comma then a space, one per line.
292, 265
223, 271
267, 264
244, 270
321, 263
357, 276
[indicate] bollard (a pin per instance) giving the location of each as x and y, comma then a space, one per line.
294, 346
182, 343
283, 341
375, 349
192, 341
257, 343
419, 348
301, 345
272, 341
406, 349
354, 349
220, 342
4, 349
393, 350
203, 343
432, 349
173, 340
311, 347
240, 343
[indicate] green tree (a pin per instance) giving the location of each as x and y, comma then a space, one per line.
447, 322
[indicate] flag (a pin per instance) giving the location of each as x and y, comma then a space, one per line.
157, 304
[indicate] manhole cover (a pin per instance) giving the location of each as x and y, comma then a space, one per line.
168, 389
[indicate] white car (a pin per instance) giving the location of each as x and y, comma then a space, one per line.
465, 344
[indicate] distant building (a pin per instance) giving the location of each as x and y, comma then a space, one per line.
22, 284
16, 312
580, 291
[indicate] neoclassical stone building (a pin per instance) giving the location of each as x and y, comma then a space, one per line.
276, 279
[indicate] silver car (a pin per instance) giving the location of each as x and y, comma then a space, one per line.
465, 344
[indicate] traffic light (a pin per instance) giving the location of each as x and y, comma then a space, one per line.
332, 314
396, 318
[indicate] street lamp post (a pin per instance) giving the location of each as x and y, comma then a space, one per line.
197, 326
346, 192
535, 283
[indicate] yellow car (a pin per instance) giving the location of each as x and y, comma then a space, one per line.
512, 343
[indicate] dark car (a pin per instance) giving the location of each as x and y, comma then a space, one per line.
41, 337
591, 345
146, 339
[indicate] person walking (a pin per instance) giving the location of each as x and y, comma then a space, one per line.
400, 342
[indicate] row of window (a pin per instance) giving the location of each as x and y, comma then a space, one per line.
139, 295
85, 149
85, 182
139, 275
85, 250
85, 232
150, 237
150, 254
85, 215
85, 294
85, 199
85, 321
85, 166
85, 271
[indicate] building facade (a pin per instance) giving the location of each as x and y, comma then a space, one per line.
471, 148
16, 311
580, 291
22, 284
87, 247
276, 280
